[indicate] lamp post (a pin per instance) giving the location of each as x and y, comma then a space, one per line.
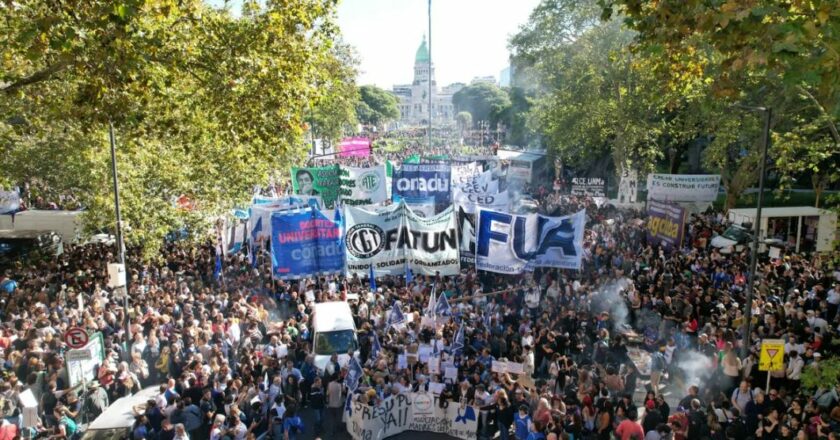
430, 76
120, 242
765, 140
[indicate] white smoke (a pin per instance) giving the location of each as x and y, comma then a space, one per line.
610, 298
696, 368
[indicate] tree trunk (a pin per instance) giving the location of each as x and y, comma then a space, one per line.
818, 183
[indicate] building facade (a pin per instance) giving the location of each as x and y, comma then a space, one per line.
414, 97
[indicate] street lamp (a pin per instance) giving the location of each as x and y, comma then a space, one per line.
120, 242
768, 114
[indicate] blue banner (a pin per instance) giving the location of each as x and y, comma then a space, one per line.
423, 184
304, 242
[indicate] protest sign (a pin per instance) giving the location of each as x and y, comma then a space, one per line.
259, 221
683, 187
363, 186
305, 243
466, 237
354, 147
423, 184
318, 181
665, 224
411, 412
9, 201
396, 238
589, 186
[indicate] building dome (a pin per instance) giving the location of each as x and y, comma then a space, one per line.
422, 55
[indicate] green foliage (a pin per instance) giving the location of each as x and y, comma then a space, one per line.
824, 376
782, 55
464, 120
204, 104
484, 101
376, 106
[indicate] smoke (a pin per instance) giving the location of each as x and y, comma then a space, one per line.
610, 298
695, 368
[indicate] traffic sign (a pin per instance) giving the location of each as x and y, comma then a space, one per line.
772, 356
79, 355
75, 337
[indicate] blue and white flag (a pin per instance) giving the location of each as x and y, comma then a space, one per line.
457, 348
442, 307
408, 276
217, 269
375, 347
432, 302
354, 375
396, 316
372, 278
255, 231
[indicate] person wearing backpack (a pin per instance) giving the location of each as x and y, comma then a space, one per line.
292, 425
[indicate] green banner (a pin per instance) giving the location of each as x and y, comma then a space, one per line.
318, 181
414, 158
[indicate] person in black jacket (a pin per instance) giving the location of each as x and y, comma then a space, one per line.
504, 416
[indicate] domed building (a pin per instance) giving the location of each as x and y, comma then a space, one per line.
414, 97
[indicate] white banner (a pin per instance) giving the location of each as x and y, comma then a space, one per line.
411, 412
510, 244
363, 186
683, 187
9, 201
389, 238
463, 173
480, 190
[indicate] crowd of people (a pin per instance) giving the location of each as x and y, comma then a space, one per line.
643, 343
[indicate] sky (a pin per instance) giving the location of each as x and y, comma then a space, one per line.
469, 37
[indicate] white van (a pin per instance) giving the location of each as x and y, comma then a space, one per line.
118, 419
334, 333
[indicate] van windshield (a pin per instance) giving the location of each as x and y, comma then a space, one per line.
340, 341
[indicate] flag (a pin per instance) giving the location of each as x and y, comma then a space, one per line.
265, 382
348, 408
395, 317
457, 348
354, 375
375, 347
435, 349
442, 307
408, 276
432, 302
256, 230
372, 278
217, 270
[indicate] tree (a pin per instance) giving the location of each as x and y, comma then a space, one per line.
204, 104
597, 99
777, 54
484, 101
464, 120
376, 106
334, 111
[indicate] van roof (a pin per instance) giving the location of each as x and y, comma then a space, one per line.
120, 414
331, 316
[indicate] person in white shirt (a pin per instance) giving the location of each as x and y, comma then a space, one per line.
794, 370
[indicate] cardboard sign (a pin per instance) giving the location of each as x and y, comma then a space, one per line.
434, 365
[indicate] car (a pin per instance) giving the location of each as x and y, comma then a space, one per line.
734, 239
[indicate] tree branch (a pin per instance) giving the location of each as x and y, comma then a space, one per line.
41, 75
829, 122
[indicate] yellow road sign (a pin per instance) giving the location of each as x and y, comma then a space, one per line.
772, 356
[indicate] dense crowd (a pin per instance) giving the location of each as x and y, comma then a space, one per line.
643, 343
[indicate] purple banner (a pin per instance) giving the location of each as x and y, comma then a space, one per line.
665, 223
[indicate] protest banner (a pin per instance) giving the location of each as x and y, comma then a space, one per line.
411, 412
304, 243
9, 201
466, 237
511, 244
395, 237
628, 186
259, 218
665, 224
423, 184
363, 186
589, 186
354, 147
683, 187
318, 181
